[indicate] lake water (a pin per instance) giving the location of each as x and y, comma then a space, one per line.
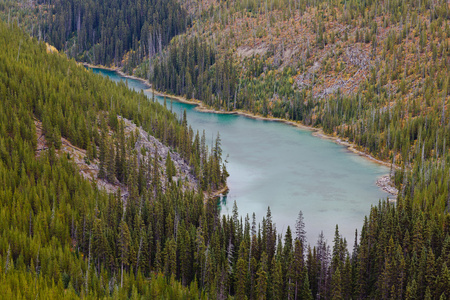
284, 167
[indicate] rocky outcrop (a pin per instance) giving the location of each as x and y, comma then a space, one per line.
150, 143
90, 169
385, 183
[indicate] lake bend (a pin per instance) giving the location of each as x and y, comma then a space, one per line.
286, 168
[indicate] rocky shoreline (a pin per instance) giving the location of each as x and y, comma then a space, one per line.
385, 183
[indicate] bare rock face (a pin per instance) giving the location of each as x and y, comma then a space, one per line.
152, 144
246, 51
355, 56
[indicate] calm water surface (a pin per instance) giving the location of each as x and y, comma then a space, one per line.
284, 167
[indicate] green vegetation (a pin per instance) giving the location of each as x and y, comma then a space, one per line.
191, 69
380, 80
111, 33
375, 73
61, 236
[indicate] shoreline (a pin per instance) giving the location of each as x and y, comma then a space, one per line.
216, 194
200, 106
115, 69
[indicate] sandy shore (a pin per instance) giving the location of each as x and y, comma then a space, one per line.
200, 106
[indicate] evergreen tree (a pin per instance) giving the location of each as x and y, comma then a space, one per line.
124, 240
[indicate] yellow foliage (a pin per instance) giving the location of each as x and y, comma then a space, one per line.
51, 49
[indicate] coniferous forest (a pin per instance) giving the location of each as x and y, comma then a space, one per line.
119, 33
61, 236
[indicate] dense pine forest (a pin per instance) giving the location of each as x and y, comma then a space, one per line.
110, 33
60, 232
375, 73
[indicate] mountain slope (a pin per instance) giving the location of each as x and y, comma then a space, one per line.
60, 236
375, 73
69, 239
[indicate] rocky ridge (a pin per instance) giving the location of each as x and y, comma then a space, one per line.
89, 169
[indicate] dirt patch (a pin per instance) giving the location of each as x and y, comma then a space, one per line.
246, 51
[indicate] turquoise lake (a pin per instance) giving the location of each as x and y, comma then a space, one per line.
284, 167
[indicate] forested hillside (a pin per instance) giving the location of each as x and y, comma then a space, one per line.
60, 235
111, 33
373, 72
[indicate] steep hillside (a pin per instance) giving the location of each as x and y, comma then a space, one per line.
109, 33
61, 236
375, 73
171, 166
